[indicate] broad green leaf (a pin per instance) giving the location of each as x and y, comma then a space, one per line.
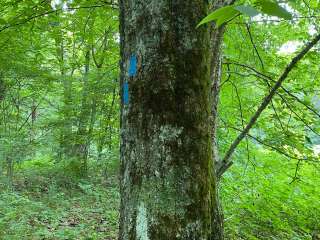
247, 10
220, 16
274, 9
227, 17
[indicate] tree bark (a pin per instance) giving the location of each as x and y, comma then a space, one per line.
168, 185
216, 60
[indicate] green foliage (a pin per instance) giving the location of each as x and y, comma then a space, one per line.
44, 207
59, 117
220, 16
260, 198
273, 9
247, 10
264, 202
225, 14
49, 102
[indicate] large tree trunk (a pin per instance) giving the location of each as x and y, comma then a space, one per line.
168, 185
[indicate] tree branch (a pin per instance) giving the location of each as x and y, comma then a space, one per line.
43, 14
226, 162
268, 145
254, 45
266, 77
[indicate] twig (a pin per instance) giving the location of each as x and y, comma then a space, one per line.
266, 77
30, 18
254, 45
274, 148
295, 178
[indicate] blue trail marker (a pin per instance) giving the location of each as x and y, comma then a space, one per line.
133, 66
125, 93
132, 73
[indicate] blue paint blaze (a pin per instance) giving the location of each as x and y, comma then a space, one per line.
133, 66
126, 93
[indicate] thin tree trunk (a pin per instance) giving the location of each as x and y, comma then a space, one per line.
105, 133
168, 183
216, 59
82, 141
2, 87
66, 130
10, 170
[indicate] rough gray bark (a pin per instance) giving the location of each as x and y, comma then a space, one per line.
168, 185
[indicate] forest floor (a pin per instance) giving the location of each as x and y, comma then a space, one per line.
43, 204
260, 202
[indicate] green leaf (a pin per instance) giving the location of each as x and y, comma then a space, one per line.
274, 9
247, 10
3, 22
220, 16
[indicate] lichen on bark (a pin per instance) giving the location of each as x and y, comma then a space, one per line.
142, 223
